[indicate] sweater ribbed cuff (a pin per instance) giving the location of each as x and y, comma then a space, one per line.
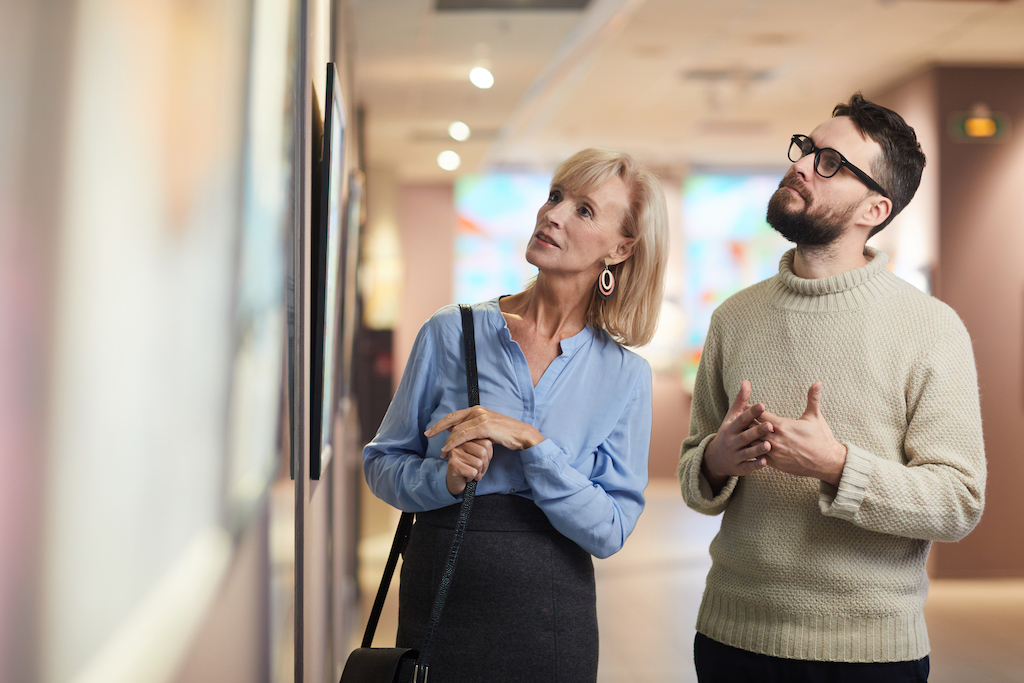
844, 502
696, 488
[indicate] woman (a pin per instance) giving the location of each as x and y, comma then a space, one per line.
559, 443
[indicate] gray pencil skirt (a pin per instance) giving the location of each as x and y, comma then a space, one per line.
522, 605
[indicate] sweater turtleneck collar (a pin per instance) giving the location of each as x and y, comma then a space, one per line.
845, 291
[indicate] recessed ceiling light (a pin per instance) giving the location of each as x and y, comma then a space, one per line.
448, 160
459, 131
481, 77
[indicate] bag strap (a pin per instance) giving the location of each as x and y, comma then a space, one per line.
397, 548
473, 394
405, 525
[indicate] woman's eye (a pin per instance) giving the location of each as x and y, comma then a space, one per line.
585, 211
554, 197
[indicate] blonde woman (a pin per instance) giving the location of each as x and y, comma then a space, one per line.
558, 444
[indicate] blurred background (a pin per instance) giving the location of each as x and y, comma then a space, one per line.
222, 223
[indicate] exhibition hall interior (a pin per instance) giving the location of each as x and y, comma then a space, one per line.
223, 223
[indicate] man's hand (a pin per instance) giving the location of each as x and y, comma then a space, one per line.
738, 448
806, 446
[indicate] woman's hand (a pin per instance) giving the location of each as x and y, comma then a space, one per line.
466, 462
478, 422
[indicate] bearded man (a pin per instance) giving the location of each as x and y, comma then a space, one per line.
836, 424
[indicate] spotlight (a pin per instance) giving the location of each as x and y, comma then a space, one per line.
459, 131
481, 77
448, 160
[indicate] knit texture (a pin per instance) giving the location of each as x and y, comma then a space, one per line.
802, 569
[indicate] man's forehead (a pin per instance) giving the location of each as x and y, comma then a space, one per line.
843, 135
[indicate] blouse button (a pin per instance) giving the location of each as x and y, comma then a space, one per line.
511, 490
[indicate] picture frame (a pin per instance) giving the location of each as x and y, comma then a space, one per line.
326, 276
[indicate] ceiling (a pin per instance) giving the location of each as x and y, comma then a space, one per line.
677, 82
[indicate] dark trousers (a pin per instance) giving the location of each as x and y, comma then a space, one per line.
718, 663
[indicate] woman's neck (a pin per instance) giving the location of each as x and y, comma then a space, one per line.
554, 309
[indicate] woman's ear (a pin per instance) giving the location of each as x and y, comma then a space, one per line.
622, 252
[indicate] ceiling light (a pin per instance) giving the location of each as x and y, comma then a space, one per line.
448, 160
481, 77
459, 131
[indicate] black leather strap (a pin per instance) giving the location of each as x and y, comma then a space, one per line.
397, 548
469, 347
473, 394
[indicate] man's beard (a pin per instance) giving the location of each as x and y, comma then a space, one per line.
800, 226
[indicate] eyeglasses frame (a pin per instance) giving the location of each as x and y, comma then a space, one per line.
843, 162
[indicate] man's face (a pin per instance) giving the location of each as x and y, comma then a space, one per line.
812, 211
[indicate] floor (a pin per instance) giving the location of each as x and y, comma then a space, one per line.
649, 593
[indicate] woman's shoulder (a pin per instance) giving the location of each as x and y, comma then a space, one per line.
624, 357
447, 320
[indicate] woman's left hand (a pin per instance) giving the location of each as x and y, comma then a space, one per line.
480, 423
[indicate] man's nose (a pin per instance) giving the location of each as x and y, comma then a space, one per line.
804, 166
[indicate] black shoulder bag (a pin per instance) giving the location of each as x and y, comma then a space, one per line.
405, 665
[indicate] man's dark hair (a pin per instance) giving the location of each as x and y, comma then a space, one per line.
902, 159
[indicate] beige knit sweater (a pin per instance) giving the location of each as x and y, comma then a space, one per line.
804, 570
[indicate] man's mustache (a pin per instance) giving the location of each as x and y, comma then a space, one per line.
794, 182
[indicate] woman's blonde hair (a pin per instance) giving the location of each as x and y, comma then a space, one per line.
631, 316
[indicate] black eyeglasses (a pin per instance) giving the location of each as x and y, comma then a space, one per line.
828, 162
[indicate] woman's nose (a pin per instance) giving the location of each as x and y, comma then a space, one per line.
556, 214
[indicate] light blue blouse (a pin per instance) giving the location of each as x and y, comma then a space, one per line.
593, 406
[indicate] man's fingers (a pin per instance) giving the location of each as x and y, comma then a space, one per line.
757, 450
758, 431
742, 396
743, 420
749, 466
814, 400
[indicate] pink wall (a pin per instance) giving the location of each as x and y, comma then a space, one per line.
426, 224
981, 275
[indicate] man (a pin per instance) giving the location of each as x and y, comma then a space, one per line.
836, 424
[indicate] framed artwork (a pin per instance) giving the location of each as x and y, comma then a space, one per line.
262, 289
326, 275
355, 215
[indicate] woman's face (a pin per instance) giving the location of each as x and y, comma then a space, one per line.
575, 234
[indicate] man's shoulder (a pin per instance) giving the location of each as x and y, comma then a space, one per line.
754, 296
921, 308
